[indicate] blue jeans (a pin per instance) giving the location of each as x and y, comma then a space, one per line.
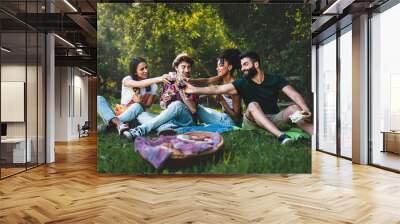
134, 111
211, 116
176, 115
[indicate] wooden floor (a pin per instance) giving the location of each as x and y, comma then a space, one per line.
70, 191
10, 171
387, 159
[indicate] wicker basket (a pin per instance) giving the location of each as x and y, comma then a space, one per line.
178, 155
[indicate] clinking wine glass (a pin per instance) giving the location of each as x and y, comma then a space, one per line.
181, 84
172, 76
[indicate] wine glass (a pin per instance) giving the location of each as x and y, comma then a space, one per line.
172, 76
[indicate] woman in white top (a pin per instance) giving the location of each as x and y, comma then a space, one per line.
227, 63
137, 94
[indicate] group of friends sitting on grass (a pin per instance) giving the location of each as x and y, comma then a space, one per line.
180, 95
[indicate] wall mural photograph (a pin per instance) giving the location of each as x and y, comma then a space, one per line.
204, 88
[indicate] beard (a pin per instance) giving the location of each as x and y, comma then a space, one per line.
250, 73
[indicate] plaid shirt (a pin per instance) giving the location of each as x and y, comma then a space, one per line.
172, 90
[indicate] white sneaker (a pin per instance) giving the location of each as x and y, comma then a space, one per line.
284, 139
122, 128
287, 141
131, 134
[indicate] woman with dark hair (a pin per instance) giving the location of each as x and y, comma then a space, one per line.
137, 94
228, 62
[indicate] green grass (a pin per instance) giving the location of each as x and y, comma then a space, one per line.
244, 152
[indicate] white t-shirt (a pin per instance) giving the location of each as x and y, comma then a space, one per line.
228, 100
127, 92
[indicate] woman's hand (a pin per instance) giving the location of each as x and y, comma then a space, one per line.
182, 94
189, 89
136, 97
144, 99
165, 79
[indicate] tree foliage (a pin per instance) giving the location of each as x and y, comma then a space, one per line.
158, 32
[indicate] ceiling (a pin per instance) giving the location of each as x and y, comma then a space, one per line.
332, 15
76, 21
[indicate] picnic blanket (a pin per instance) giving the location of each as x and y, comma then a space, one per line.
297, 134
209, 128
294, 133
158, 150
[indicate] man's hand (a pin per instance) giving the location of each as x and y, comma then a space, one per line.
166, 98
298, 99
306, 113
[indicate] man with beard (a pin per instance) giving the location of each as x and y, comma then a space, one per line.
260, 93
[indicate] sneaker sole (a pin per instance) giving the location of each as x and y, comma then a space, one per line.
287, 142
121, 131
128, 135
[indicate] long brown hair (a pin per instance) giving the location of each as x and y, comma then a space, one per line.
133, 68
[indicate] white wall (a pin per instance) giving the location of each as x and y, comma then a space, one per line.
34, 124
80, 110
13, 73
71, 102
61, 103
10, 73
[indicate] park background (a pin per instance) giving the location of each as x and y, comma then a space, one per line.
279, 33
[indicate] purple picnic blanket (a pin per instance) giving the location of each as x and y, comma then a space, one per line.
155, 151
